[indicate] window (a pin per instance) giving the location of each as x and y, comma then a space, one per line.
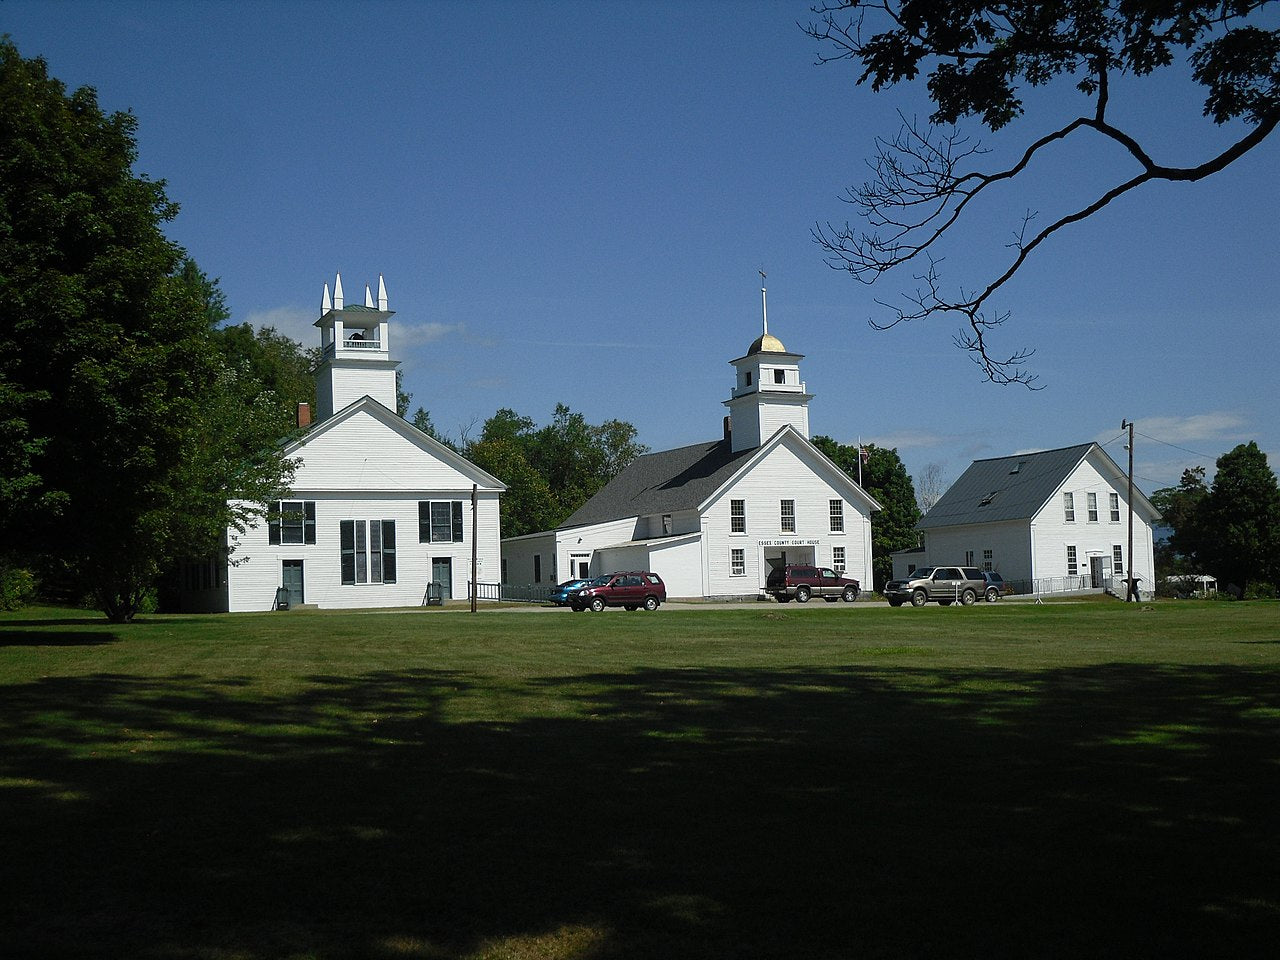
294, 521
837, 516
737, 516
1093, 507
779, 376
504, 569
1113, 501
368, 551
537, 568
968, 558
788, 516
748, 378
666, 524
1072, 567
439, 521
987, 560
837, 559
737, 562
1117, 560
1069, 507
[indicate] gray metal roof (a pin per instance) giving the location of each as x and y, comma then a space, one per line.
664, 482
1005, 488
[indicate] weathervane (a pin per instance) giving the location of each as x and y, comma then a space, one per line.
764, 303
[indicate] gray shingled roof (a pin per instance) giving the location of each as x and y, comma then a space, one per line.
1005, 488
663, 482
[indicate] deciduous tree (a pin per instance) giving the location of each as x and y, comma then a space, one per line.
1240, 520
975, 57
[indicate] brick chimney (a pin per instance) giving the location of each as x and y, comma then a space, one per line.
304, 415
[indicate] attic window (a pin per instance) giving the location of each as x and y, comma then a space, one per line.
1017, 468
989, 497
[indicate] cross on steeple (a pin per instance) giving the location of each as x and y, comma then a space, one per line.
764, 303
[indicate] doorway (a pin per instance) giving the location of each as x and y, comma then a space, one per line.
442, 573
291, 579
1097, 572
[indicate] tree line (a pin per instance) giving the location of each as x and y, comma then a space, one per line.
1228, 529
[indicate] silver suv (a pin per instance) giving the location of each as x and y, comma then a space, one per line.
946, 585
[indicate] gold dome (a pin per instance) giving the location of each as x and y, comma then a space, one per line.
767, 343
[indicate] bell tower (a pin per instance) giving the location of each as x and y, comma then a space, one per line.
355, 358
768, 393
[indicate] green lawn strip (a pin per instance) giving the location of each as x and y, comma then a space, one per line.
1043, 780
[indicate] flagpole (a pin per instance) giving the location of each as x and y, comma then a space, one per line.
859, 459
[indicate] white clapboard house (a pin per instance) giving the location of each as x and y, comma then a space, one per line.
1049, 521
378, 510
713, 518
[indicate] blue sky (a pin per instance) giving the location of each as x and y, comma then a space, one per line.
570, 201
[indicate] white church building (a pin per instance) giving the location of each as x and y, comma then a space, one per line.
378, 510
712, 519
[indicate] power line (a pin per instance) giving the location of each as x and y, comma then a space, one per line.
1195, 453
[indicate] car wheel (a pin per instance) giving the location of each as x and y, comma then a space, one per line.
919, 598
895, 603
783, 598
651, 604
597, 605
992, 594
849, 595
968, 598
802, 595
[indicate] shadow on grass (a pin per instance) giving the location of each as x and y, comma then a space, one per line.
1116, 811
49, 638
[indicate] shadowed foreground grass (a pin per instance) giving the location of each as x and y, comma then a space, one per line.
822, 782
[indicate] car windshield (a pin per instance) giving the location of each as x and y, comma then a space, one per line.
922, 573
602, 581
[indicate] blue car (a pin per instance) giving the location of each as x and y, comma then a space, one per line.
561, 594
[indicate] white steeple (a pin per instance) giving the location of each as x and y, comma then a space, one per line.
355, 359
768, 393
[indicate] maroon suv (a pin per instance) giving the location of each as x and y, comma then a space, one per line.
630, 590
801, 582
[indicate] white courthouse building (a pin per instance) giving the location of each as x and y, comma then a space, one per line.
378, 509
713, 518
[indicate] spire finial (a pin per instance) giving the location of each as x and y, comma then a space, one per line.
326, 304
764, 302
382, 294
337, 292
368, 297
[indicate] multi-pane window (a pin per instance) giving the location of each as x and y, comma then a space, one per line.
1069, 507
737, 516
1073, 568
439, 521
968, 558
368, 551
837, 516
1093, 507
1114, 503
292, 521
537, 568
837, 559
1117, 559
737, 562
788, 516
987, 560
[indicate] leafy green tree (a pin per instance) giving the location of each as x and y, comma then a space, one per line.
975, 56
422, 420
550, 471
106, 364
885, 477
1241, 517
1180, 507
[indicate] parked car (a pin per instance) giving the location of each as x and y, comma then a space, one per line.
946, 585
996, 587
799, 582
630, 589
560, 594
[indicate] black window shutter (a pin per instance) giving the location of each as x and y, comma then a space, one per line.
388, 551
457, 521
347, 537
273, 524
309, 524
424, 521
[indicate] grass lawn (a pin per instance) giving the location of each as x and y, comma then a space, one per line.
1068, 780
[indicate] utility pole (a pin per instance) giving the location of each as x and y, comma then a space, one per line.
475, 545
1131, 585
